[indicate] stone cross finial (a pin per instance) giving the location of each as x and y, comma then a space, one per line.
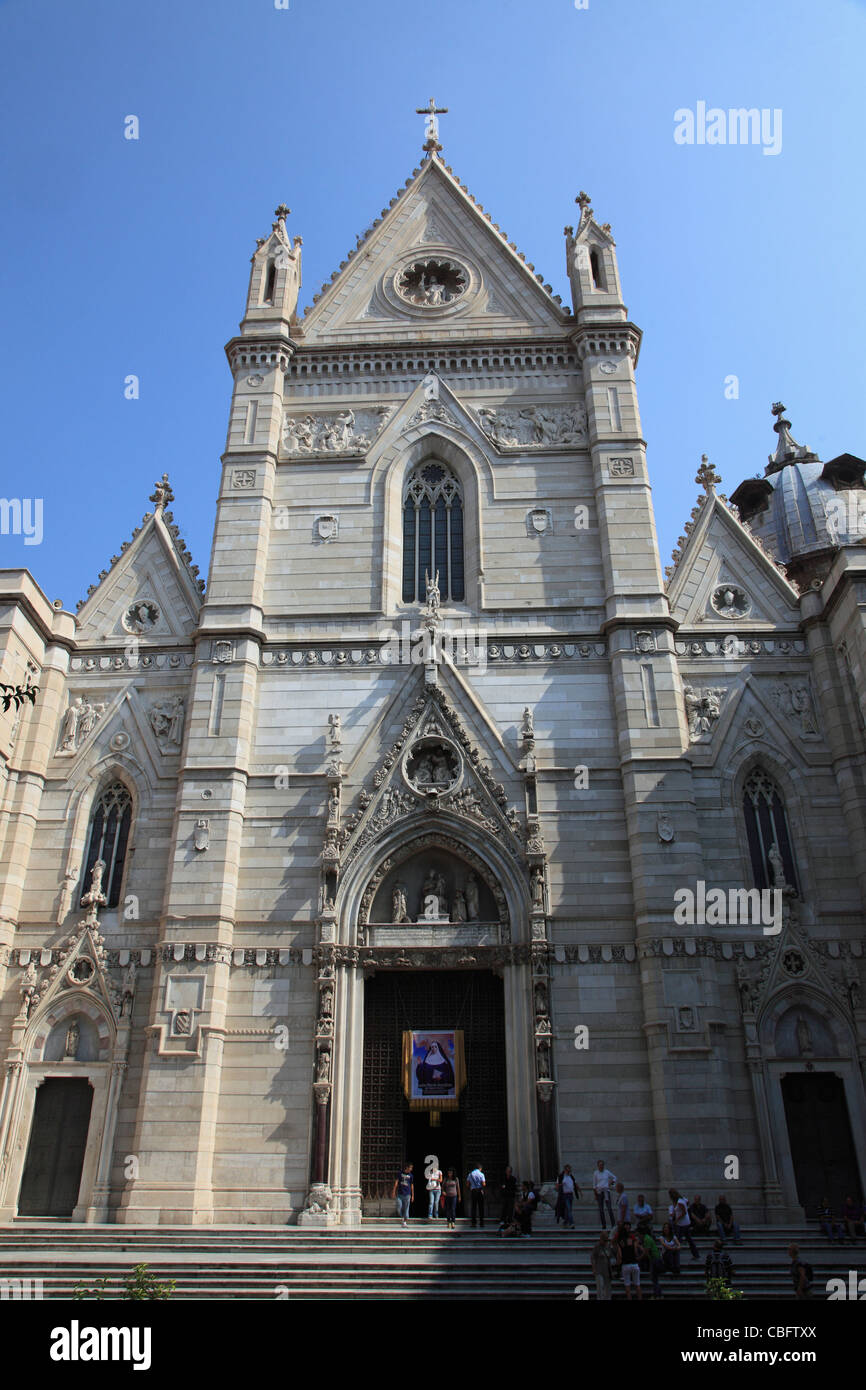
282, 212
583, 200
431, 125
707, 475
162, 493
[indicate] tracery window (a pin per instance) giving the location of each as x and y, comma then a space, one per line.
767, 825
109, 836
432, 533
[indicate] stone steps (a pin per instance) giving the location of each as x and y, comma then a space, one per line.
379, 1261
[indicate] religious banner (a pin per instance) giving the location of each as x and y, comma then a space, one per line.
434, 1069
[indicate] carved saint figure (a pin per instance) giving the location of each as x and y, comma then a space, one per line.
441, 770
777, 868
323, 1066
435, 292
804, 1038
399, 909
458, 911
527, 728
537, 888
69, 727
335, 730
433, 596
424, 772
343, 429
470, 890
73, 1038
327, 1001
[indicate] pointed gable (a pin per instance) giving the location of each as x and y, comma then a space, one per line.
151, 591
721, 554
435, 260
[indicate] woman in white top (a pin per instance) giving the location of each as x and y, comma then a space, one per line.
434, 1190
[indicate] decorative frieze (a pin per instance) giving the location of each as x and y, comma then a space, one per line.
517, 428
346, 432
383, 653
93, 663
732, 645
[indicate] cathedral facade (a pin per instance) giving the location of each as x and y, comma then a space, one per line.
439, 767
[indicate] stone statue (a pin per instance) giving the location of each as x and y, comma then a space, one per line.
335, 730
327, 1001
435, 292
343, 429
73, 1038
95, 897
527, 729
470, 890
399, 909
537, 888
458, 911
29, 982
744, 985
540, 998
804, 1038
777, 868
323, 1066
424, 772
69, 725
334, 804
441, 770
433, 596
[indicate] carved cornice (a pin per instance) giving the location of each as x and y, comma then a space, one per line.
602, 340
261, 350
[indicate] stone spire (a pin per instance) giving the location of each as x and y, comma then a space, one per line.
787, 449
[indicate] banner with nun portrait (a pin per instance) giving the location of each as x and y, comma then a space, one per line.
434, 1069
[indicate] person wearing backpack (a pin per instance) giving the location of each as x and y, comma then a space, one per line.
801, 1273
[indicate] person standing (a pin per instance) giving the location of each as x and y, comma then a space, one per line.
404, 1191
629, 1251
452, 1197
801, 1273
601, 1260
508, 1192
603, 1181
568, 1189
681, 1222
670, 1248
434, 1191
642, 1212
622, 1207
477, 1184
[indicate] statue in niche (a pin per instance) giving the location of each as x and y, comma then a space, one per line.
777, 868
540, 998
458, 911
28, 988
327, 1001
334, 804
470, 891
399, 907
73, 1040
69, 725
804, 1038
544, 1061
424, 772
335, 730
323, 1066
537, 888
433, 595
441, 770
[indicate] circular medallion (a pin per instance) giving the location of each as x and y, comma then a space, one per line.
729, 601
432, 766
432, 283
141, 616
81, 971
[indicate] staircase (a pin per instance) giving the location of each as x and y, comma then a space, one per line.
381, 1261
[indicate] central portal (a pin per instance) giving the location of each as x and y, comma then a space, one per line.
396, 1002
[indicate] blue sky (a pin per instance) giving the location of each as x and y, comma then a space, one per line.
124, 257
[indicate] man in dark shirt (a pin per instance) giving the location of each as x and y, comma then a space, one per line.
718, 1265
725, 1223
702, 1221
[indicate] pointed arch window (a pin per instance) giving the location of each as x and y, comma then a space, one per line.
767, 825
433, 533
109, 837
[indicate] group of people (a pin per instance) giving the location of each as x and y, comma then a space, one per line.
444, 1193
848, 1223
632, 1246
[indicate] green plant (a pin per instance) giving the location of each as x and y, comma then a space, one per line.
17, 694
139, 1285
720, 1289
